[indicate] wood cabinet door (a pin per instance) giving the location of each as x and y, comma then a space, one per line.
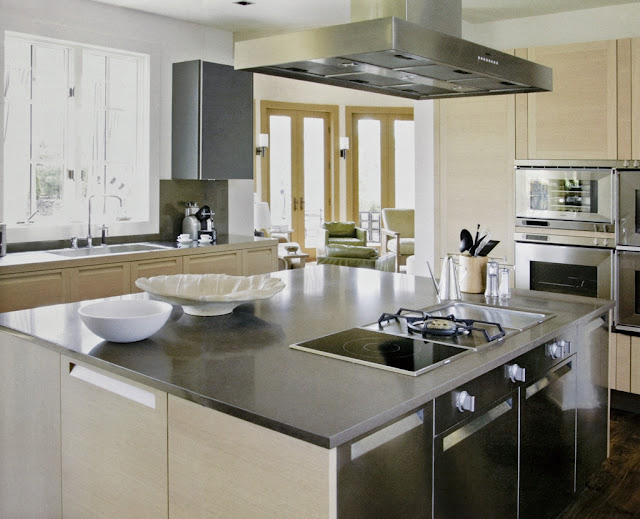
260, 261
96, 281
227, 468
476, 149
578, 120
29, 430
157, 267
114, 445
628, 55
31, 289
219, 263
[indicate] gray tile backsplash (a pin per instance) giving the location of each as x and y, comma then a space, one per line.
175, 194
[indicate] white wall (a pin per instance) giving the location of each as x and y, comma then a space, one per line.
165, 40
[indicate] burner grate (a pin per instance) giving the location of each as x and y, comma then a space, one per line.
426, 324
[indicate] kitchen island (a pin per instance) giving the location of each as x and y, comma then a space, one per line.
255, 428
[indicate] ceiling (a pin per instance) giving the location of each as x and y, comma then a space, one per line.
268, 16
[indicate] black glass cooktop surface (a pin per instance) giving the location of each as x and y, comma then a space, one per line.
411, 356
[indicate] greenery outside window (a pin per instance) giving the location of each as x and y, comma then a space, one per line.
75, 125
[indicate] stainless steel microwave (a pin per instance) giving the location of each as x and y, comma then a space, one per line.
565, 195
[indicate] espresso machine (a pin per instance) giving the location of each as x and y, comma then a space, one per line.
205, 218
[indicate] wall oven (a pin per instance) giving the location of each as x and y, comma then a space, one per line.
565, 227
627, 263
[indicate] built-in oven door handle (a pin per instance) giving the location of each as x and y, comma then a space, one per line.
452, 439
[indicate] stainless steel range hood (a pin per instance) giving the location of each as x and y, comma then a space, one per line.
395, 57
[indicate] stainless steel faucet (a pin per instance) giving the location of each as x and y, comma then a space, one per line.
104, 227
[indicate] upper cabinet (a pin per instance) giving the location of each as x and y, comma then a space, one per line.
628, 54
212, 122
579, 119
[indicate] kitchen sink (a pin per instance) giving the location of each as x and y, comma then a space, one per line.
108, 249
508, 317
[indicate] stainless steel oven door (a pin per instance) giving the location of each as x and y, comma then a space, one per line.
627, 312
628, 232
563, 194
564, 269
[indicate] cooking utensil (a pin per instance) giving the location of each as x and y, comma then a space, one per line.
466, 240
487, 247
475, 242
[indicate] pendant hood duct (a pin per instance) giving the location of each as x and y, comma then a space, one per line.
394, 57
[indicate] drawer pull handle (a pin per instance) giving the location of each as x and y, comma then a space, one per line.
112, 385
452, 439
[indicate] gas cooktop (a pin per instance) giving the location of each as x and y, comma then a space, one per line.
413, 342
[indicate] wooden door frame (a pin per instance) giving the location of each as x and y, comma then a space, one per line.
352, 113
332, 181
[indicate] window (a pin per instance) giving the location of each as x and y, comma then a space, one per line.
75, 125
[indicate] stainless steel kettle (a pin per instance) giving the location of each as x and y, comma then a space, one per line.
449, 287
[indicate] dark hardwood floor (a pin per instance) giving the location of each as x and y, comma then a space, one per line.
613, 492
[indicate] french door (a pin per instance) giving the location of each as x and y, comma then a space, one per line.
298, 172
382, 164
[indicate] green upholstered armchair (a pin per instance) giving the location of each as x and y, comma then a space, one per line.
340, 233
397, 234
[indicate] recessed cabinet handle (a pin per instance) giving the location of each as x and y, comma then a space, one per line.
112, 385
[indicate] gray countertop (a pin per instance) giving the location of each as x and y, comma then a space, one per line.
241, 363
38, 260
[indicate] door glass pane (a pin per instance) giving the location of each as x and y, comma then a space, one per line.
314, 168
280, 170
369, 170
404, 164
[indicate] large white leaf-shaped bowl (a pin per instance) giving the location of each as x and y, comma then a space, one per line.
210, 294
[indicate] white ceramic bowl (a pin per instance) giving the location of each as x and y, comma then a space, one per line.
124, 320
210, 294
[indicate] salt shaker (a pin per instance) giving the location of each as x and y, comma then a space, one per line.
492, 279
504, 289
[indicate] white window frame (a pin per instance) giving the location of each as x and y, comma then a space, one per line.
42, 230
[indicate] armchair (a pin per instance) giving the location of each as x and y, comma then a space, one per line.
397, 234
340, 233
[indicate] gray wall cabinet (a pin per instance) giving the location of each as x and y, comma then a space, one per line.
212, 122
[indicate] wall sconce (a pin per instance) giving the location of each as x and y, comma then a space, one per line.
344, 146
263, 144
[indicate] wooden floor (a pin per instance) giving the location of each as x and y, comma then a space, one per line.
614, 491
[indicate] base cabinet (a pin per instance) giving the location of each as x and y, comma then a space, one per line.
31, 289
29, 430
96, 281
548, 442
114, 445
218, 263
223, 467
476, 463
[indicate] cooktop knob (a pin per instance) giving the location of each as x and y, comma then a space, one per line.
465, 402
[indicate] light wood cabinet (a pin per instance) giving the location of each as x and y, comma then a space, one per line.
578, 120
628, 56
29, 430
221, 466
475, 144
31, 289
624, 360
114, 445
260, 261
216, 263
154, 267
96, 281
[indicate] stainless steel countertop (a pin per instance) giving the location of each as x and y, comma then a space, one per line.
241, 363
